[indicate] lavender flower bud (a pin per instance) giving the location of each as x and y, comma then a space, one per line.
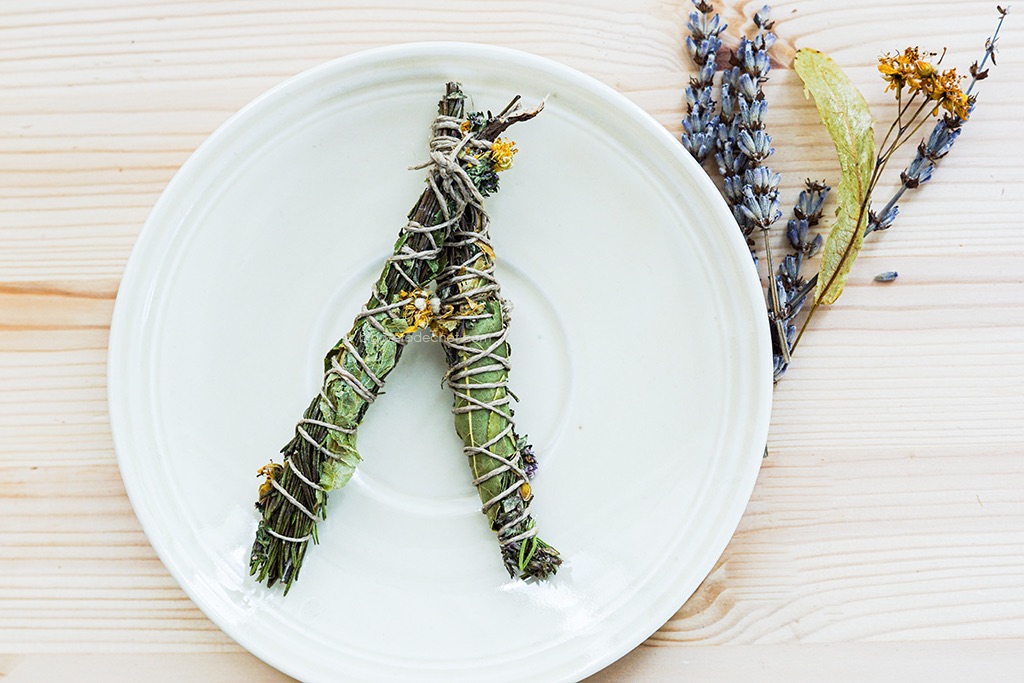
747, 87
883, 223
728, 99
760, 64
918, 172
789, 269
746, 118
691, 97
746, 225
761, 210
753, 114
715, 25
729, 162
815, 245
796, 231
693, 124
695, 26
707, 72
940, 141
691, 47
732, 188
770, 208
779, 365
756, 144
743, 57
529, 461
763, 43
706, 101
713, 42
762, 180
706, 49
811, 202
697, 142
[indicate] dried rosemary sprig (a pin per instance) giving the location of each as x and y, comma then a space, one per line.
478, 360
322, 456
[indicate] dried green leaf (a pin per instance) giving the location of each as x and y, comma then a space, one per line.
849, 123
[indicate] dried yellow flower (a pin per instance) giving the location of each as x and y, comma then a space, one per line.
945, 89
502, 152
424, 311
925, 69
269, 471
901, 69
910, 69
486, 248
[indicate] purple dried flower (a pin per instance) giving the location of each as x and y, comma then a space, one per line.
760, 209
942, 138
789, 270
811, 200
762, 180
731, 163
796, 231
755, 144
700, 127
530, 464
791, 289
751, 113
732, 188
883, 223
919, 171
742, 141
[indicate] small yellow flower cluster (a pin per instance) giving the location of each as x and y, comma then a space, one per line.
912, 70
502, 152
424, 311
270, 471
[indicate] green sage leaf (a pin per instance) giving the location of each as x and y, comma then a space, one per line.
848, 121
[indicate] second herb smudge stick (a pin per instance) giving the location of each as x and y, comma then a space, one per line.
478, 368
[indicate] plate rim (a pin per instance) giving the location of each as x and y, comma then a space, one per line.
132, 280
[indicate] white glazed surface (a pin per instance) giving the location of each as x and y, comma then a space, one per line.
640, 352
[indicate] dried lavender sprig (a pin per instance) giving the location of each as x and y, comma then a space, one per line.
742, 143
701, 122
758, 205
790, 288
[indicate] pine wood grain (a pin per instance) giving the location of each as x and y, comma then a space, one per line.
887, 526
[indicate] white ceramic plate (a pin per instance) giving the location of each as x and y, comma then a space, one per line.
641, 361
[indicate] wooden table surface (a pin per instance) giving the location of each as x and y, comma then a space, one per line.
885, 537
